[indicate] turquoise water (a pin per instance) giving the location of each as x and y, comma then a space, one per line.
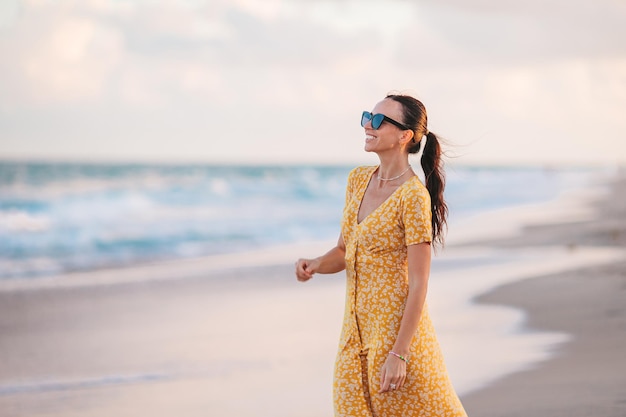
60, 217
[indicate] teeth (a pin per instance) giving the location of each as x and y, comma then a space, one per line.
368, 137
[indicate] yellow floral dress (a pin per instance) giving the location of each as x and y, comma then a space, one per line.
377, 288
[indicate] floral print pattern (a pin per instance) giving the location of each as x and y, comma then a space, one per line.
377, 288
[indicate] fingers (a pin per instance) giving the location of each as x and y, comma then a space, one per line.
391, 384
400, 382
303, 272
392, 376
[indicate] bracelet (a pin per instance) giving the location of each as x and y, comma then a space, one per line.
399, 356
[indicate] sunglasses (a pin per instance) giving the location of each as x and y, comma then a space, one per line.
378, 119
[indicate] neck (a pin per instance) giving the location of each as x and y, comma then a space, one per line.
393, 166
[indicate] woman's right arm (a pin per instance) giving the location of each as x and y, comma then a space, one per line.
329, 263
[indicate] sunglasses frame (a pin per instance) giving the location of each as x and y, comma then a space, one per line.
369, 117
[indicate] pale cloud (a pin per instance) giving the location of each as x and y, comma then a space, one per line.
277, 80
513, 32
57, 57
265, 10
575, 95
145, 53
9, 13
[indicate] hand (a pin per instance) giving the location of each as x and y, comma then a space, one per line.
305, 268
392, 372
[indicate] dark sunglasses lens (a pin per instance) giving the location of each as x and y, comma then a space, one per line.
365, 117
377, 120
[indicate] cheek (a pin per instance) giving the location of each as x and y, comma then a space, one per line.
388, 139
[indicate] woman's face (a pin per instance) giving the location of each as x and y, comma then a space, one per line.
387, 138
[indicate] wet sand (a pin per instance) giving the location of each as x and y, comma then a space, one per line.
210, 345
587, 375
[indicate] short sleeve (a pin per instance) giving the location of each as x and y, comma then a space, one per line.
350, 185
357, 178
416, 215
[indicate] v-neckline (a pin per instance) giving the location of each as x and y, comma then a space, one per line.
369, 180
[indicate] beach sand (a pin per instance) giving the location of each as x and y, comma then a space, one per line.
199, 338
587, 375
229, 343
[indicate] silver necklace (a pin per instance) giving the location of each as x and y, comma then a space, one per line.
394, 178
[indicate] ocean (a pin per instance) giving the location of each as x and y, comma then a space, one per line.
63, 217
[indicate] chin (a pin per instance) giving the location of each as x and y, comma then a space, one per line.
369, 148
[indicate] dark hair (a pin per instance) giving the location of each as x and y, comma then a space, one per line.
415, 117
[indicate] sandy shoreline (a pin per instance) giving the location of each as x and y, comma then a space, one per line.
587, 375
172, 347
198, 338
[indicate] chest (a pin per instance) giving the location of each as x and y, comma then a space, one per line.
373, 198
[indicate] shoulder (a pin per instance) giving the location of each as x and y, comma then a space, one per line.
362, 171
415, 190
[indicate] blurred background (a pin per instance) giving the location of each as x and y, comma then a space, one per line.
245, 81
141, 130
135, 131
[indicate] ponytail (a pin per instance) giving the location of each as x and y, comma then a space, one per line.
432, 164
416, 118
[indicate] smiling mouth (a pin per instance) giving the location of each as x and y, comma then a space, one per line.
369, 137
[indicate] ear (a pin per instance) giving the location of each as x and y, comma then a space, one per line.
406, 137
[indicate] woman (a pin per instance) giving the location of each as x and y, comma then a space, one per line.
389, 362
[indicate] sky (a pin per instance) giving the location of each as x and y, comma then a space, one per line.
270, 81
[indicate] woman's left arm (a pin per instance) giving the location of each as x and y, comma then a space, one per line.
394, 368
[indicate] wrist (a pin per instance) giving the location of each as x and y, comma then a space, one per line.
401, 351
403, 358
